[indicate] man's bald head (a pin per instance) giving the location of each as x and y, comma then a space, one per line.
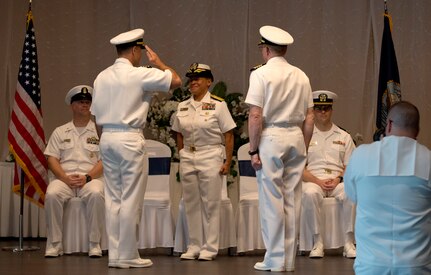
403, 120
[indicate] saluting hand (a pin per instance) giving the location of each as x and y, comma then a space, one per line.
153, 58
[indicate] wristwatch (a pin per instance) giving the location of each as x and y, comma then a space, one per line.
251, 153
88, 178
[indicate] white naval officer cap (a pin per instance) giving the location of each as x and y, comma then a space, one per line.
129, 38
274, 36
80, 92
323, 97
199, 70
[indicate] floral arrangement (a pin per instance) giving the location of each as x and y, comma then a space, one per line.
160, 119
239, 112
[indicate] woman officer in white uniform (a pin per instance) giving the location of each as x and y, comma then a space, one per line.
202, 122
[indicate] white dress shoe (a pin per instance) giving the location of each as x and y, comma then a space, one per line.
54, 250
263, 267
130, 263
95, 251
206, 256
189, 256
349, 251
290, 269
317, 251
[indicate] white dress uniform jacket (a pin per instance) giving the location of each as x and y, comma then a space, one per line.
391, 184
202, 125
328, 153
77, 153
121, 99
284, 93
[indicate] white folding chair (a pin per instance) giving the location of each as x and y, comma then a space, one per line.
156, 227
75, 228
227, 237
249, 235
332, 227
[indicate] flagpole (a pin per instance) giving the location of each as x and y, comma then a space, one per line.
386, 6
21, 246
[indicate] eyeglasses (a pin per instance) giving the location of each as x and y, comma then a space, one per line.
321, 108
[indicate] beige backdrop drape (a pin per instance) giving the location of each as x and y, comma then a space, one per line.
337, 44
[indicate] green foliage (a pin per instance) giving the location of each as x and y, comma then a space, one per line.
219, 89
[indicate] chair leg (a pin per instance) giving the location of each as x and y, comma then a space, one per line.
231, 251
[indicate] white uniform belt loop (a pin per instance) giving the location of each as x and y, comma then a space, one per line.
280, 125
193, 148
121, 129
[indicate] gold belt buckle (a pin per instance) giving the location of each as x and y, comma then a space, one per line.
328, 171
192, 148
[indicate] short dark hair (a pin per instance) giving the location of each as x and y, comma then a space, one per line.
280, 50
122, 48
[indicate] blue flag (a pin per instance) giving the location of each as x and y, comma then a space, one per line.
389, 90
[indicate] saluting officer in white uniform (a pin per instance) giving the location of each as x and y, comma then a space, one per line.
74, 159
280, 127
328, 155
202, 123
120, 104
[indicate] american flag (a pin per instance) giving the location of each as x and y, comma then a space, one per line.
26, 137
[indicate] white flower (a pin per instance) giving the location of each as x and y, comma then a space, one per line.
171, 142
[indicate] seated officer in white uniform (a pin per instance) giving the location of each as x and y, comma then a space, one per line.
74, 159
328, 154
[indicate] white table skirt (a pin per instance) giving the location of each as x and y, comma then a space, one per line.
34, 217
10, 209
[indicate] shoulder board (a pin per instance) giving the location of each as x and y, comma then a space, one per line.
187, 98
341, 128
257, 67
216, 97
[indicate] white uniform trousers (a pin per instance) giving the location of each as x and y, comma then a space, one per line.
202, 184
125, 167
58, 193
312, 200
283, 156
